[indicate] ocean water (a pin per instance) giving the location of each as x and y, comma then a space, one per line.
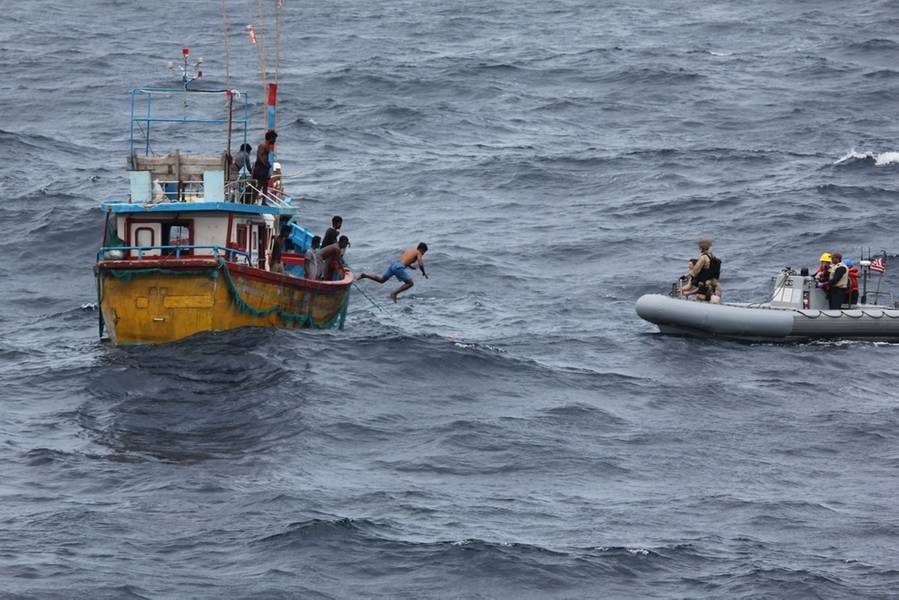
509, 429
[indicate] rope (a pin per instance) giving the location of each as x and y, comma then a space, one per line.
367, 297
227, 47
287, 316
100, 322
260, 44
781, 286
129, 274
143, 133
361, 291
280, 5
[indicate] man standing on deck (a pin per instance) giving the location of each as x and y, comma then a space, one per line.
838, 278
397, 269
262, 170
275, 262
311, 262
333, 231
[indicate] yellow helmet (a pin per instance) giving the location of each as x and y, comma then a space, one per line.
825, 257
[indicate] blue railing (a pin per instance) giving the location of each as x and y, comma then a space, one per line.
149, 119
228, 253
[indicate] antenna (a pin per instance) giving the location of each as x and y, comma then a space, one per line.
189, 72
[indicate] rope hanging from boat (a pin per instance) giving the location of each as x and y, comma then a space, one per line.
126, 275
257, 38
260, 45
777, 289
286, 316
279, 5
299, 319
227, 47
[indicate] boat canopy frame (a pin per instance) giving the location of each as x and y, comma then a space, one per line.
148, 119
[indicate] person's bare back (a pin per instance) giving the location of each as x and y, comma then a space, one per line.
411, 256
397, 269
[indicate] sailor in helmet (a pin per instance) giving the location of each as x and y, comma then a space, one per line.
823, 273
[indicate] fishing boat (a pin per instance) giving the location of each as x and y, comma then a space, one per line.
797, 309
190, 249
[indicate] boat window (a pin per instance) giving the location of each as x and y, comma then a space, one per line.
144, 237
176, 234
242, 237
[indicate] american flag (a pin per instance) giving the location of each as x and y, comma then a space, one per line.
879, 264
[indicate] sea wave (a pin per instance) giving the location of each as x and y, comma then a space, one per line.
877, 159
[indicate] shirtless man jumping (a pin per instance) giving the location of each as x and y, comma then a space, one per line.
397, 269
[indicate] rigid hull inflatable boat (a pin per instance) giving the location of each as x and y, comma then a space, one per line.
796, 310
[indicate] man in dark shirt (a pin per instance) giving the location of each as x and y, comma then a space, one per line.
333, 231
262, 170
276, 263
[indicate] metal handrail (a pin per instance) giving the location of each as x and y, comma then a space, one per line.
217, 250
148, 119
270, 199
233, 191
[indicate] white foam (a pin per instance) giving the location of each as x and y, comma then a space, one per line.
880, 160
852, 155
887, 158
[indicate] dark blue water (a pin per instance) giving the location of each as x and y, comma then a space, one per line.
510, 429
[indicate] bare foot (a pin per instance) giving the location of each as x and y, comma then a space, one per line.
393, 297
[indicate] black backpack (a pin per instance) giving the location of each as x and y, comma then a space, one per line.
714, 266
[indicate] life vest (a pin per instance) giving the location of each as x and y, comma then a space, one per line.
823, 277
710, 271
842, 282
853, 278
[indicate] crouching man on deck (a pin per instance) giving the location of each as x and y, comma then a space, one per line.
397, 269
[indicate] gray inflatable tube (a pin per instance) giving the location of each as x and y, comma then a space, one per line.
754, 322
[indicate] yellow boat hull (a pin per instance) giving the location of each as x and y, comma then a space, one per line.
149, 302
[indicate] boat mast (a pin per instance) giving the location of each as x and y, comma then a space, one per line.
273, 86
269, 88
228, 91
189, 72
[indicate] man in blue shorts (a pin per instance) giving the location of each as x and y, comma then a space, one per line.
407, 260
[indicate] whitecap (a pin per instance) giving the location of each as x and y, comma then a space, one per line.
852, 155
886, 158
880, 159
